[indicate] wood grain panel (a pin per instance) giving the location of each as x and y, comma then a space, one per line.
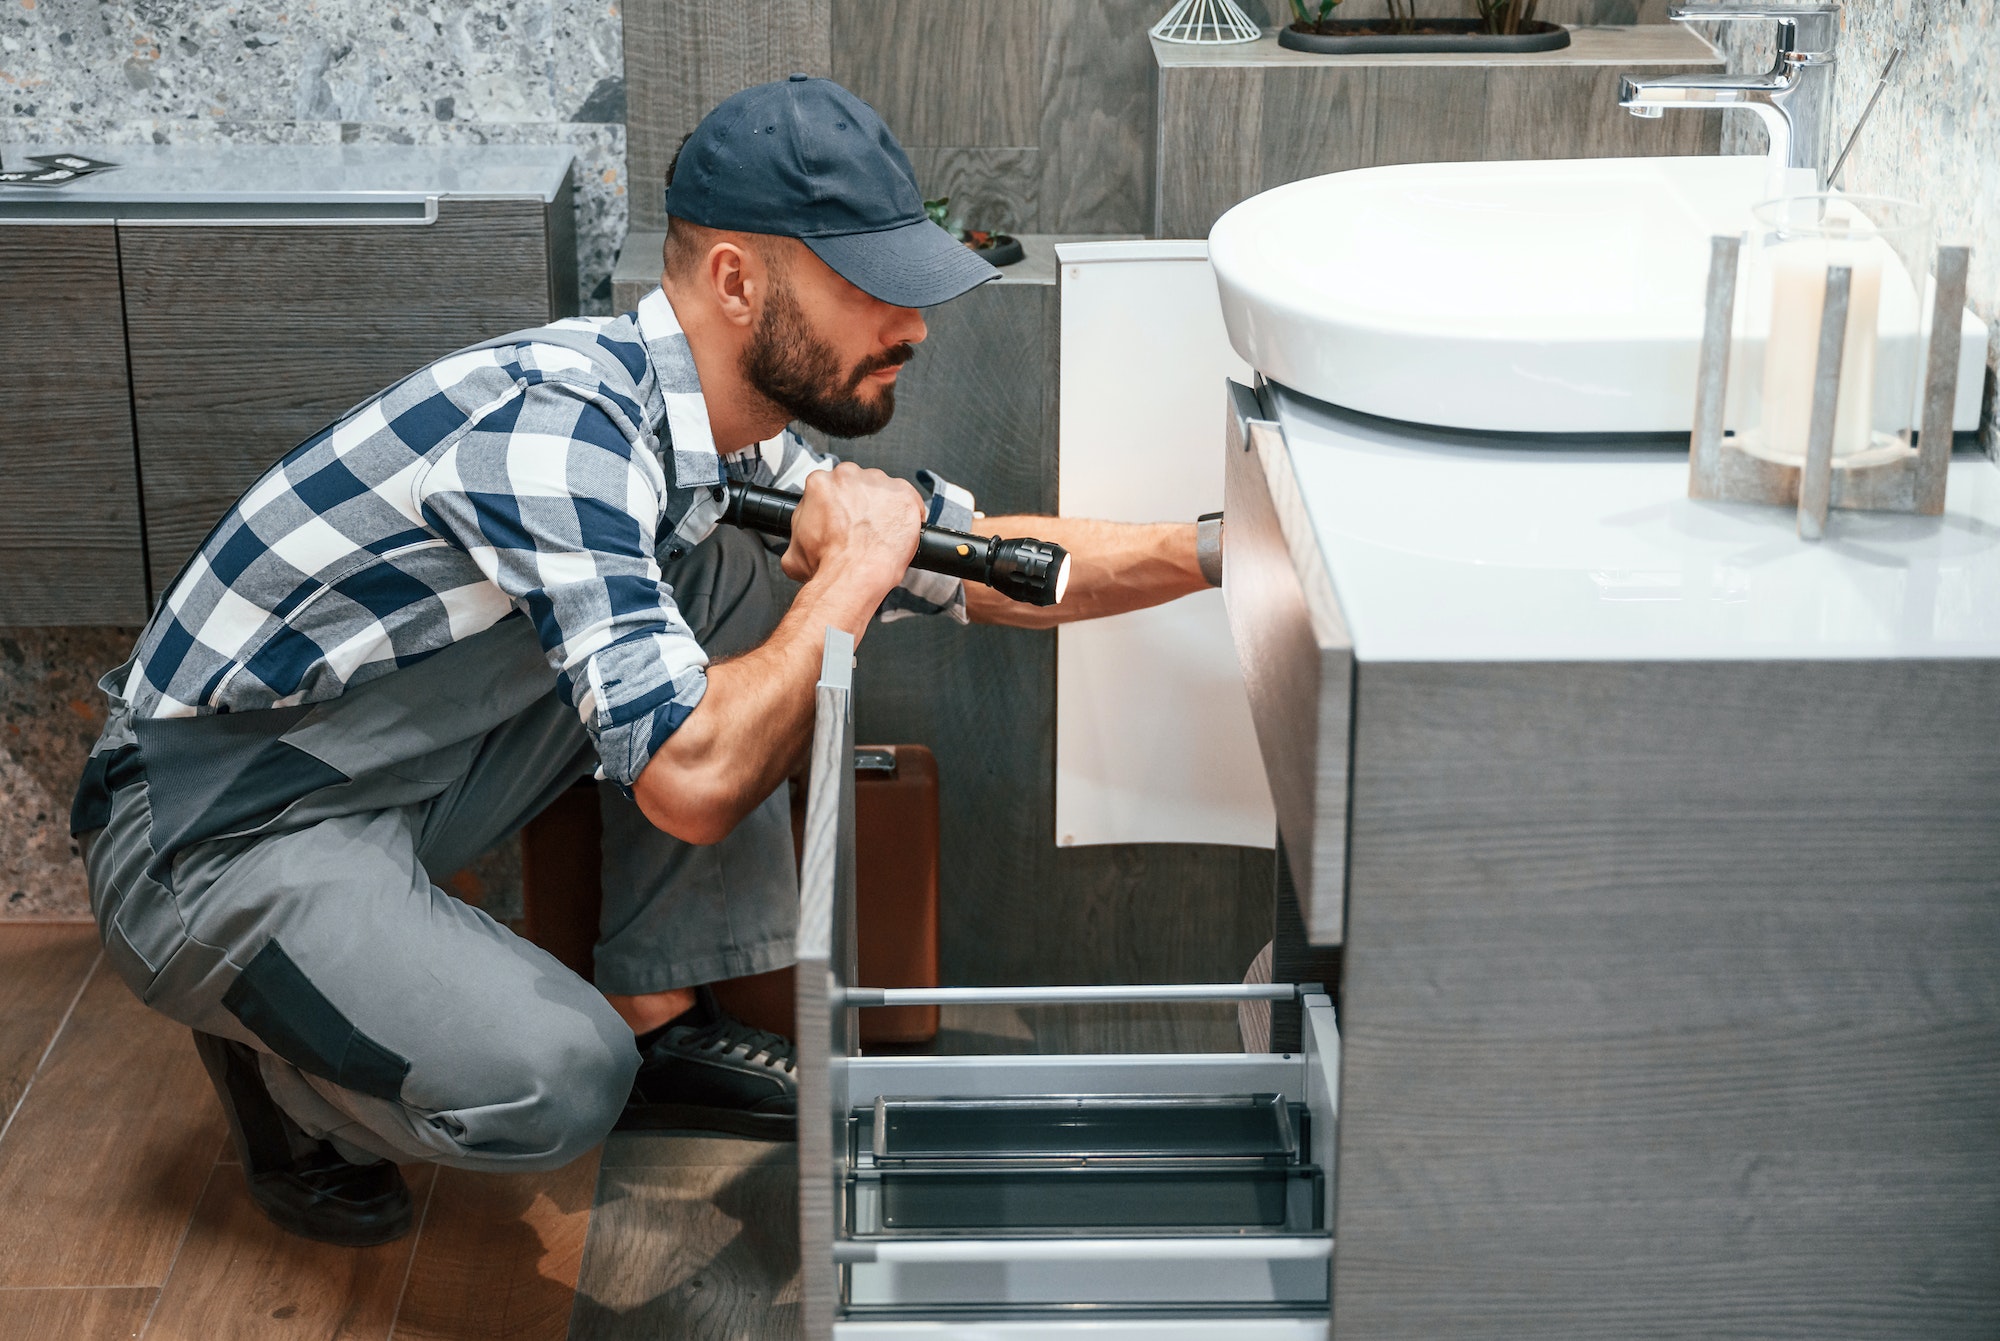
1429, 113
109, 1151
1210, 143
992, 189
1071, 1029
109, 1314
1576, 115
70, 545
943, 72
1297, 658
693, 1252
42, 967
240, 1278
245, 341
1316, 120
1670, 1005
1096, 116
1294, 958
682, 57
499, 1255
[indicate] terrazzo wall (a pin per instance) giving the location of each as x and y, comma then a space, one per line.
332, 72
277, 72
1935, 136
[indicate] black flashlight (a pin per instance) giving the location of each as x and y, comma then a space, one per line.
1033, 571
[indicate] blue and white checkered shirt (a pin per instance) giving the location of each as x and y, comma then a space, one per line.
545, 472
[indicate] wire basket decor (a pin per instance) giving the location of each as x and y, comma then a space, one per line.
1206, 23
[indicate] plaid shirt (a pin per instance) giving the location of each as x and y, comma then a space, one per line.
545, 472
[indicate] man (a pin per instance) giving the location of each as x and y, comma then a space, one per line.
500, 576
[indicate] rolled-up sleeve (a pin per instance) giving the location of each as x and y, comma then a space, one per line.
786, 462
560, 509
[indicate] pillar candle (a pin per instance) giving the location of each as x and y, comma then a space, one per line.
1791, 356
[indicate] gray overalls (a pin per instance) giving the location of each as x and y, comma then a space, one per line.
270, 876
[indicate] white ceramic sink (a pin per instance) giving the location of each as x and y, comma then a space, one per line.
1559, 296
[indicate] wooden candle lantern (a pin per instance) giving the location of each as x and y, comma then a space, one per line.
1908, 476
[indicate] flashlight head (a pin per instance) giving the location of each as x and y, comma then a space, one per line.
1032, 571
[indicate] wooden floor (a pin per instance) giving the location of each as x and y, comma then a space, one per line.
122, 1213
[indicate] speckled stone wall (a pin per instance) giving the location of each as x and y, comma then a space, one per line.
332, 72
276, 72
1935, 136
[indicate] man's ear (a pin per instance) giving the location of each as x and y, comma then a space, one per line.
735, 275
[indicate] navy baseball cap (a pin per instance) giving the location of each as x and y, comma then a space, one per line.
805, 158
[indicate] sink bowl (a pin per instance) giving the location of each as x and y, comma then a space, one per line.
1558, 296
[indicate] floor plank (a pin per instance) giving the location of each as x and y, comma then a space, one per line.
109, 1151
112, 1314
499, 1255
41, 966
697, 1252
647, 1149
240, 1278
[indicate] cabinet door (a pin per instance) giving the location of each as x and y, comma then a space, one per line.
248, 338
70, 547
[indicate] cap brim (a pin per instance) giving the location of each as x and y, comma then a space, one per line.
916, 265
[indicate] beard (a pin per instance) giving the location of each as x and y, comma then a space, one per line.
795, 370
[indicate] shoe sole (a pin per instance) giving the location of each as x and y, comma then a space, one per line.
695, 1117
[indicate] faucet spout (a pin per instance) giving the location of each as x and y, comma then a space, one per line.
1766, 96
1794, 99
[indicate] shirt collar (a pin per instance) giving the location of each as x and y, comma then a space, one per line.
692, 440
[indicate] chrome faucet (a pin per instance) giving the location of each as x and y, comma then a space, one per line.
1794, 100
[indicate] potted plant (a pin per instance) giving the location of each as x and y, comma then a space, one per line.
994, 248
1501, 25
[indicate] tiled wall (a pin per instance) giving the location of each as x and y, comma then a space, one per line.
332, 72
1935, 136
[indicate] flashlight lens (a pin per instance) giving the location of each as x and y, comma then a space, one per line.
1062, 579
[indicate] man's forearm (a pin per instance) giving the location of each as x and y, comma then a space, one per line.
1114, 567
752, 727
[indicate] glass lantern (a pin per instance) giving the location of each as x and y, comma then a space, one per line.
1885, 244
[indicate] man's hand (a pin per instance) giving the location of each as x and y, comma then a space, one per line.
1114, 567
852, 540
855, 523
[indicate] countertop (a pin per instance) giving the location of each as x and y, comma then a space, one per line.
1450, 546
177, 180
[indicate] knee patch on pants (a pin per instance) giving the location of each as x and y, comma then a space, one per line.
277, 1002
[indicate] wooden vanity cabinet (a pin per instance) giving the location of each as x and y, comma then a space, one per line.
248, 338
174, 326
70, 545
1668, 1001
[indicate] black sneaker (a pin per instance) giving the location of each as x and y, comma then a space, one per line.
709, 1071
315, 1194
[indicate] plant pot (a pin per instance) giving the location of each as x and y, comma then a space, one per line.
1000, 249
1361, 37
